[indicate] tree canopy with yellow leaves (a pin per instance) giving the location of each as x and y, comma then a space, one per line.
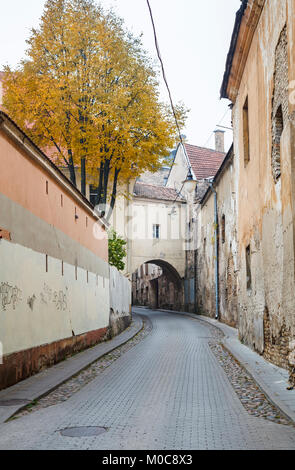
88, 90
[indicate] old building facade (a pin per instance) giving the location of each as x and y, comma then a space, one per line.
216, 246
259, 81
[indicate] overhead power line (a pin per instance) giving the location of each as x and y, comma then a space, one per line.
218, 125
163, 70
169, 92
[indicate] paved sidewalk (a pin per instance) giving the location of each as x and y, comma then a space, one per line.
272, 380
44, 382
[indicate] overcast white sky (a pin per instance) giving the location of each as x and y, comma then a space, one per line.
194, 38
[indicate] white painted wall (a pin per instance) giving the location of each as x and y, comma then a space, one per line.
60, 304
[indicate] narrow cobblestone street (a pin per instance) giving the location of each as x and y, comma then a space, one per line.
168, 391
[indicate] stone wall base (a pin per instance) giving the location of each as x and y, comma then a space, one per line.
118, 323
23, 364
276, 348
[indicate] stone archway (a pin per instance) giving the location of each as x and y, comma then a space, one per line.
158, 285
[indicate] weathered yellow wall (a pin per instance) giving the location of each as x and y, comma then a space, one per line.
228, 264
265, 207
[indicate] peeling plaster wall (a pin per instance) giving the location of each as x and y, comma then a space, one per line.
265, 211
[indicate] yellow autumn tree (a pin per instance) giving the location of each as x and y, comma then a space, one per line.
88, 91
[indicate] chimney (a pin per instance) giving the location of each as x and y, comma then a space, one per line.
219, 141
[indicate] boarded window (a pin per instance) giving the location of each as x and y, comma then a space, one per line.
246, 132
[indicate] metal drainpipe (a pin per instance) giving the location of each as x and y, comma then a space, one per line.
216, 253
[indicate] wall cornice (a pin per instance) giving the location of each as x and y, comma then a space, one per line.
245, 26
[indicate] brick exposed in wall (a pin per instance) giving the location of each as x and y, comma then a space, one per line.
276, 347
280, 104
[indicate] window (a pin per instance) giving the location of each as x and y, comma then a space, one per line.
246, 132
93, 194
223, 229
156, 231
46, 187
248, 267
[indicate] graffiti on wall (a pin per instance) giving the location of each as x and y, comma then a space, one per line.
9, 295
59, 298
46, 294
12, 296
31, 301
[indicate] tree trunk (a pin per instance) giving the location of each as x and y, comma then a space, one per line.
83, 176
71, 167
114, 194
99, 189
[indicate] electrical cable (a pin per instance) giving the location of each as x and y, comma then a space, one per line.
170, 97
167, 85
225, 114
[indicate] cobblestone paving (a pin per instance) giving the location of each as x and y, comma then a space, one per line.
76, 383
252, 398
169, 391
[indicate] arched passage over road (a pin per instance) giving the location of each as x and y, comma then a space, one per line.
158, 285
168, 254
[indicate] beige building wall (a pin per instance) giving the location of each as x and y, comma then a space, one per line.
228, 263
170, 247
179, 170
265, 223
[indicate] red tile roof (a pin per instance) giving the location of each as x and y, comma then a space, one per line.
205, 162
149, 191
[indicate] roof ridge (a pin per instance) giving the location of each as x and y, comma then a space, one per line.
205, 148
153, 185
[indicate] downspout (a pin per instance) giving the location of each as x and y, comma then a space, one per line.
216, 253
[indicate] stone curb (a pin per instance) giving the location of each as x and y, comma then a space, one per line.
275, 380
45, 382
